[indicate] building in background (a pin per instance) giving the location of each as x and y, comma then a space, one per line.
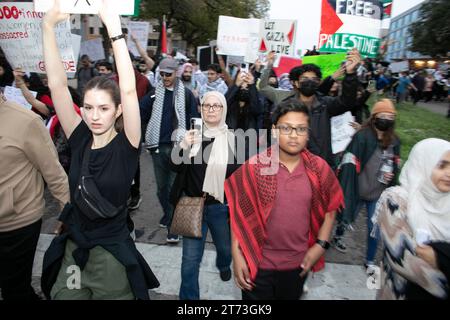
399, 40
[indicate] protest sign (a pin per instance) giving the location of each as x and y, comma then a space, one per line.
397, 67
15, 94
341, 132
76, 45
93, 48
124, 7
348, 24
140, 31
328, 63
234, 35
21, 38
278, 36
286, 65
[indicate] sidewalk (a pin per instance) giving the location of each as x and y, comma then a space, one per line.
336, 282
434, 106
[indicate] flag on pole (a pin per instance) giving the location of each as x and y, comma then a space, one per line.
164, 37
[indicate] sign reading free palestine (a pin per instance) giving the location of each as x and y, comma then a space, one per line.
348, 24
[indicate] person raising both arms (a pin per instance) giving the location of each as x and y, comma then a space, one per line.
97, 226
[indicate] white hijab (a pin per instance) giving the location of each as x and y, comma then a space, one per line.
428, 208
218, 161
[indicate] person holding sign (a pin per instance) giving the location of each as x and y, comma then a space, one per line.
369, 166
95, 246
306, 81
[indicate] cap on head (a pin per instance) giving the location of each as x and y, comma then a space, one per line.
168, 65
384, 106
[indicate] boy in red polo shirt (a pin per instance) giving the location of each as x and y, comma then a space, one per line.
281, 219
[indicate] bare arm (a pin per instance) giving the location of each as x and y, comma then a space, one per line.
57, 79
35, 103
148, 61
228, 80
127, 80
316, 251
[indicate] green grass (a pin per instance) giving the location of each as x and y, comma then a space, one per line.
415, 124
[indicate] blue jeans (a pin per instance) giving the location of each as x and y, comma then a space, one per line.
215, 217
372, 243
164, 180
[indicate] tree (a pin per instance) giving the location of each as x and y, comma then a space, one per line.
431, 33
197, 20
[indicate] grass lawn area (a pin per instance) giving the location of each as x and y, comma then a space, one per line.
415, 124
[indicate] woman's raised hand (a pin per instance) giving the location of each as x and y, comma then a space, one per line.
110, 18
54, 16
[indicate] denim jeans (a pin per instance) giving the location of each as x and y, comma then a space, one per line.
372, 243
164, 180
215, 217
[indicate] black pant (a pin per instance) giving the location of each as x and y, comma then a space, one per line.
276, 285
17, 249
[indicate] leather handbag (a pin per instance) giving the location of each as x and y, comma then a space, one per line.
188, 217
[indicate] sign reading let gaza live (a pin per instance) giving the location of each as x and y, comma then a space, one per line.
348, 24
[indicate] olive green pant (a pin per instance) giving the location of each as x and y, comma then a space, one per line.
103, 278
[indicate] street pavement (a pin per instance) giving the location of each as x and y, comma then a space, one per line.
435, 106
344, 277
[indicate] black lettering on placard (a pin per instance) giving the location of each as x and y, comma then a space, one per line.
76, 2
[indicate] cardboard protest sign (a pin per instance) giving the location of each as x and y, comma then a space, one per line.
286, 65
124, 7
140, 31
341, 132
234, 35
76, 45
21, 38
278, 36
397, 67
15, 94
348, 24
93, 48
328, 63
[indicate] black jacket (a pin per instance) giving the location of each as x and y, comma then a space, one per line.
249, 114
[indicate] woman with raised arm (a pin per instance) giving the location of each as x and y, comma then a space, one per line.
96, 254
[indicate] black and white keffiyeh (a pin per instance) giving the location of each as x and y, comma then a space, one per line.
152, 134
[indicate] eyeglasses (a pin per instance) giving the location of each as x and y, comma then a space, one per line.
215, 107
287, 130
165, 74
303, 79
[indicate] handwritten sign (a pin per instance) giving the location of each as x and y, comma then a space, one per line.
93, 48
341, 132
123, 7
234, 35
15, 94
140, 31
21, 38
278, 36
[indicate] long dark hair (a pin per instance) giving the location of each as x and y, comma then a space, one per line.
111, 87
389, 136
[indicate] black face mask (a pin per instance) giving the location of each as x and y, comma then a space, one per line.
384, 124
308, 88
244, 95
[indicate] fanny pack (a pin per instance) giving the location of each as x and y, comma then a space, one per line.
88, 198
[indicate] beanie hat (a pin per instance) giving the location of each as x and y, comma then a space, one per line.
384, 106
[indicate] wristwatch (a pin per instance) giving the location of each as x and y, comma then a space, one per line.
324, 244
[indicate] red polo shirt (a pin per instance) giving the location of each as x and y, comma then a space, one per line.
288, 225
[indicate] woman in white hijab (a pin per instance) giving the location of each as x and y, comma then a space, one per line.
207, 159
414, 220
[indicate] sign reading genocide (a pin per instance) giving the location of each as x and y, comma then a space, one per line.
123, 7
348, 24
21, 38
